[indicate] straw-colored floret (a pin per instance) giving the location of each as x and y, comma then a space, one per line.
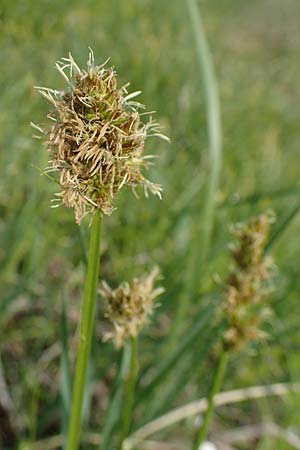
97, 138
248, 282
129, 306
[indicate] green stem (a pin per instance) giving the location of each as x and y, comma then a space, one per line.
129, 387
217, 383
86, 332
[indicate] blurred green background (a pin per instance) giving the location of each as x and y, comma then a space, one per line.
255, 46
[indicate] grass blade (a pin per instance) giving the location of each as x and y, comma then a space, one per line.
113, 414
66, 377
282, 226
170, 360
202, 230
204, 59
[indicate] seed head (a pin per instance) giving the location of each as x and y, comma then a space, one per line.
129, 306
97, 138
246, 286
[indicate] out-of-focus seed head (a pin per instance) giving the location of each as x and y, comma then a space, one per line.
129, 306
248, 283
97, 138
252, 238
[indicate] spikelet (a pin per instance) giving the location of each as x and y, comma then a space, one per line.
129, 306
247, 285
97, 138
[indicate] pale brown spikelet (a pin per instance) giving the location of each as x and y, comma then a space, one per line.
247, 285
97, 138
129, 306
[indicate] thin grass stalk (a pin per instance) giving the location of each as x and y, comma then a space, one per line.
213, 111
215, 389
86, 332
129, 388
202, 235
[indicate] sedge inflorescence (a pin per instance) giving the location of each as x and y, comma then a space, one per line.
129, 306
97, 138
249, 282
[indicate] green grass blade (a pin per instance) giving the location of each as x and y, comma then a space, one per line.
171, 388
202, 229
207, 73
253, 199
282, 226
113, 414
169, 361
66, 376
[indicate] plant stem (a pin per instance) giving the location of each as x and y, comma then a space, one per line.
216, 386
129, 387
86, 332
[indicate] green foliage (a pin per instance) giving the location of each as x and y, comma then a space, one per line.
255, 48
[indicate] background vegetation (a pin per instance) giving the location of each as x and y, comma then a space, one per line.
256, 47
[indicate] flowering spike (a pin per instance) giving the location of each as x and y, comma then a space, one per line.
246, 285
129, 306
97, 138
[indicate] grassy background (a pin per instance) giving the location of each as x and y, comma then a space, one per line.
255, 46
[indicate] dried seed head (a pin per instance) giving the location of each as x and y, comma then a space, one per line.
247, 284
97, 138
129, 306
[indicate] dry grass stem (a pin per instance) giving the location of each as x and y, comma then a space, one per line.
200, 406
252, 432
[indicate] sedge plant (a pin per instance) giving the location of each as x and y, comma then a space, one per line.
128, 308
243, 301
96, 143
